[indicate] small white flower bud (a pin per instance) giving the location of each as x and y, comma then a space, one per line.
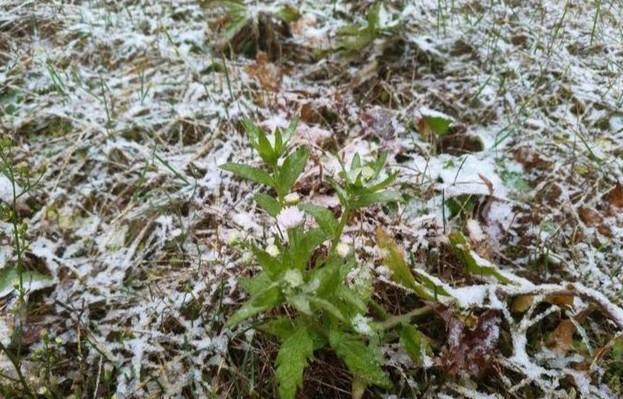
342, 249
292, 198
290, 217
272, 250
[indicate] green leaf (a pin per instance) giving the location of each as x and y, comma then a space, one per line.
414, 343
294, 355
328, 277
302, 245
356, 162
255, 284
288, 13
379, 197
268, 204
395, 261
328, 307
438, 122
249, 172
473, 262
341, 193
301, 303
264, 300
280, 327
259, 141
279, 144
352, 298
271, 265
373, 17
361, 359
291, 169
32, 281
383, 184
323, 217
289, 132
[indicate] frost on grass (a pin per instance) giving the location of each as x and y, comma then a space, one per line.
129, 111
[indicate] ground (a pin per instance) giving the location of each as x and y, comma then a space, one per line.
117, 115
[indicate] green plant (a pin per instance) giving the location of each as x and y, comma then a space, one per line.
305, 269
353, 38
248, 30
15, 278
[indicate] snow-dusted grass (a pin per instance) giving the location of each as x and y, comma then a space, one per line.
129, 113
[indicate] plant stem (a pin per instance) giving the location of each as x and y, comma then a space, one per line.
396, 320
18, 370
340, 228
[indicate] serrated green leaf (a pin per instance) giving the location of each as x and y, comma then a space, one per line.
328, 307
271, 265
302, 245
323, 217
414, 343
249, 172
294, 355
362, 360
268, 204
291, 169
253, 285
379, 197
280, 327
264, 300
352, 298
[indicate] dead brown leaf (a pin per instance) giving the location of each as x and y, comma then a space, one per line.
615, 196
590, 216
564, 301
561, 339
522, 303
268, 74
469, 350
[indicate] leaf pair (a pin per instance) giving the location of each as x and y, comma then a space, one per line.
362, 185
282, 180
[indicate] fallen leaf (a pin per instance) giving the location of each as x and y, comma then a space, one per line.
269, 75
615, 196
564, 301
561, 339
469, 350
522, 303
590, 216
